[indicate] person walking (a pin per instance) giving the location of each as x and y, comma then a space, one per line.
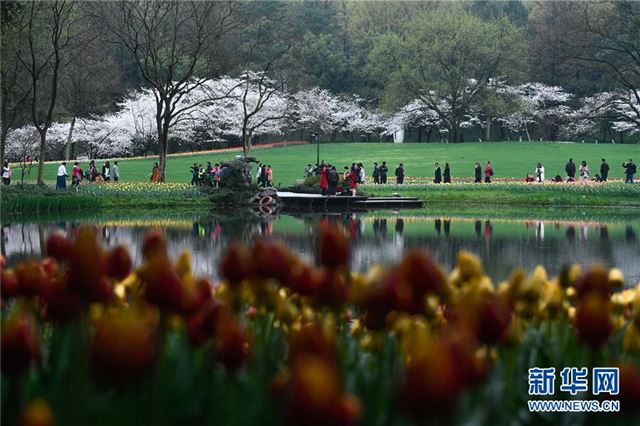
194, 174
383, 172
478, 173
570, 168
583, 172
115, 172
438, 174
604, 170
447, 173
324, 182
61, 181
630, 170
333, 178
76, 175
263, 176
6, 173
375, 173
400, 174
259, 174
93, 171
106, 172
539, 173
488, 172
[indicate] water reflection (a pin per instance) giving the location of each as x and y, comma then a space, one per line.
502, 244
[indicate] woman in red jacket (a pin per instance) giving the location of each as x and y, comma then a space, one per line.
488, 172
353, 180
324, 182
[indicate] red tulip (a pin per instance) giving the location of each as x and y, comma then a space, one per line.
423, 275
32, 278
38, 413
154, 244
629, 391
20, 343
232, 348
118, 264
58, 246
9, 286
236, 264
125, 345
594, 281
333, 247
493, 319
87, 266
593, 319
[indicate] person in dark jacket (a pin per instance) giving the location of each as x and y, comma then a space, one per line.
438, 174
400, 174
478, 173
604, 170
447, 173
333, 179
383, 172
570, 168
375, 173
631, 170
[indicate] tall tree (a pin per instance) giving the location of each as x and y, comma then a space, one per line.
51, 31
447, 59
176, 47
14, 93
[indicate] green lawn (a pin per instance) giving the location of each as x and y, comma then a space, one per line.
510, 159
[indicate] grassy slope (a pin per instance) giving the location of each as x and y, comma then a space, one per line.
510, 159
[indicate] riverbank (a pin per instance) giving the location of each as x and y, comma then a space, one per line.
517, 194
140, 196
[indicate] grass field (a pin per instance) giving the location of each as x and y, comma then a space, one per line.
510, 159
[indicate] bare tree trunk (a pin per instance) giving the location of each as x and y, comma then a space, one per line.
43, 141
67, 149
487, 135
3, 143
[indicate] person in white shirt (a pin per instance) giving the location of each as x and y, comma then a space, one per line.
61, 181
540, 173
361, 177
6, 173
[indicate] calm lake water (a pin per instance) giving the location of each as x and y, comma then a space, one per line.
503, 244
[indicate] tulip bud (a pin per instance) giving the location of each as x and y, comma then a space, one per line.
38, 413
333, 248
346, 411
594, 281
629, 391
232, 349
423, 275
9, 286
272, 260
493, 319
125, 344
87, 266
236, 264
118, 263
20, 343
32, 278
593, 319
58, 246
154, 244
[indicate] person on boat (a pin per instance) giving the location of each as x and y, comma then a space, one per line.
155, 174
400, 174
353, 180
333, 179
447, 173
478, 173
361, 173
438, 174
324, 183
488, 172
